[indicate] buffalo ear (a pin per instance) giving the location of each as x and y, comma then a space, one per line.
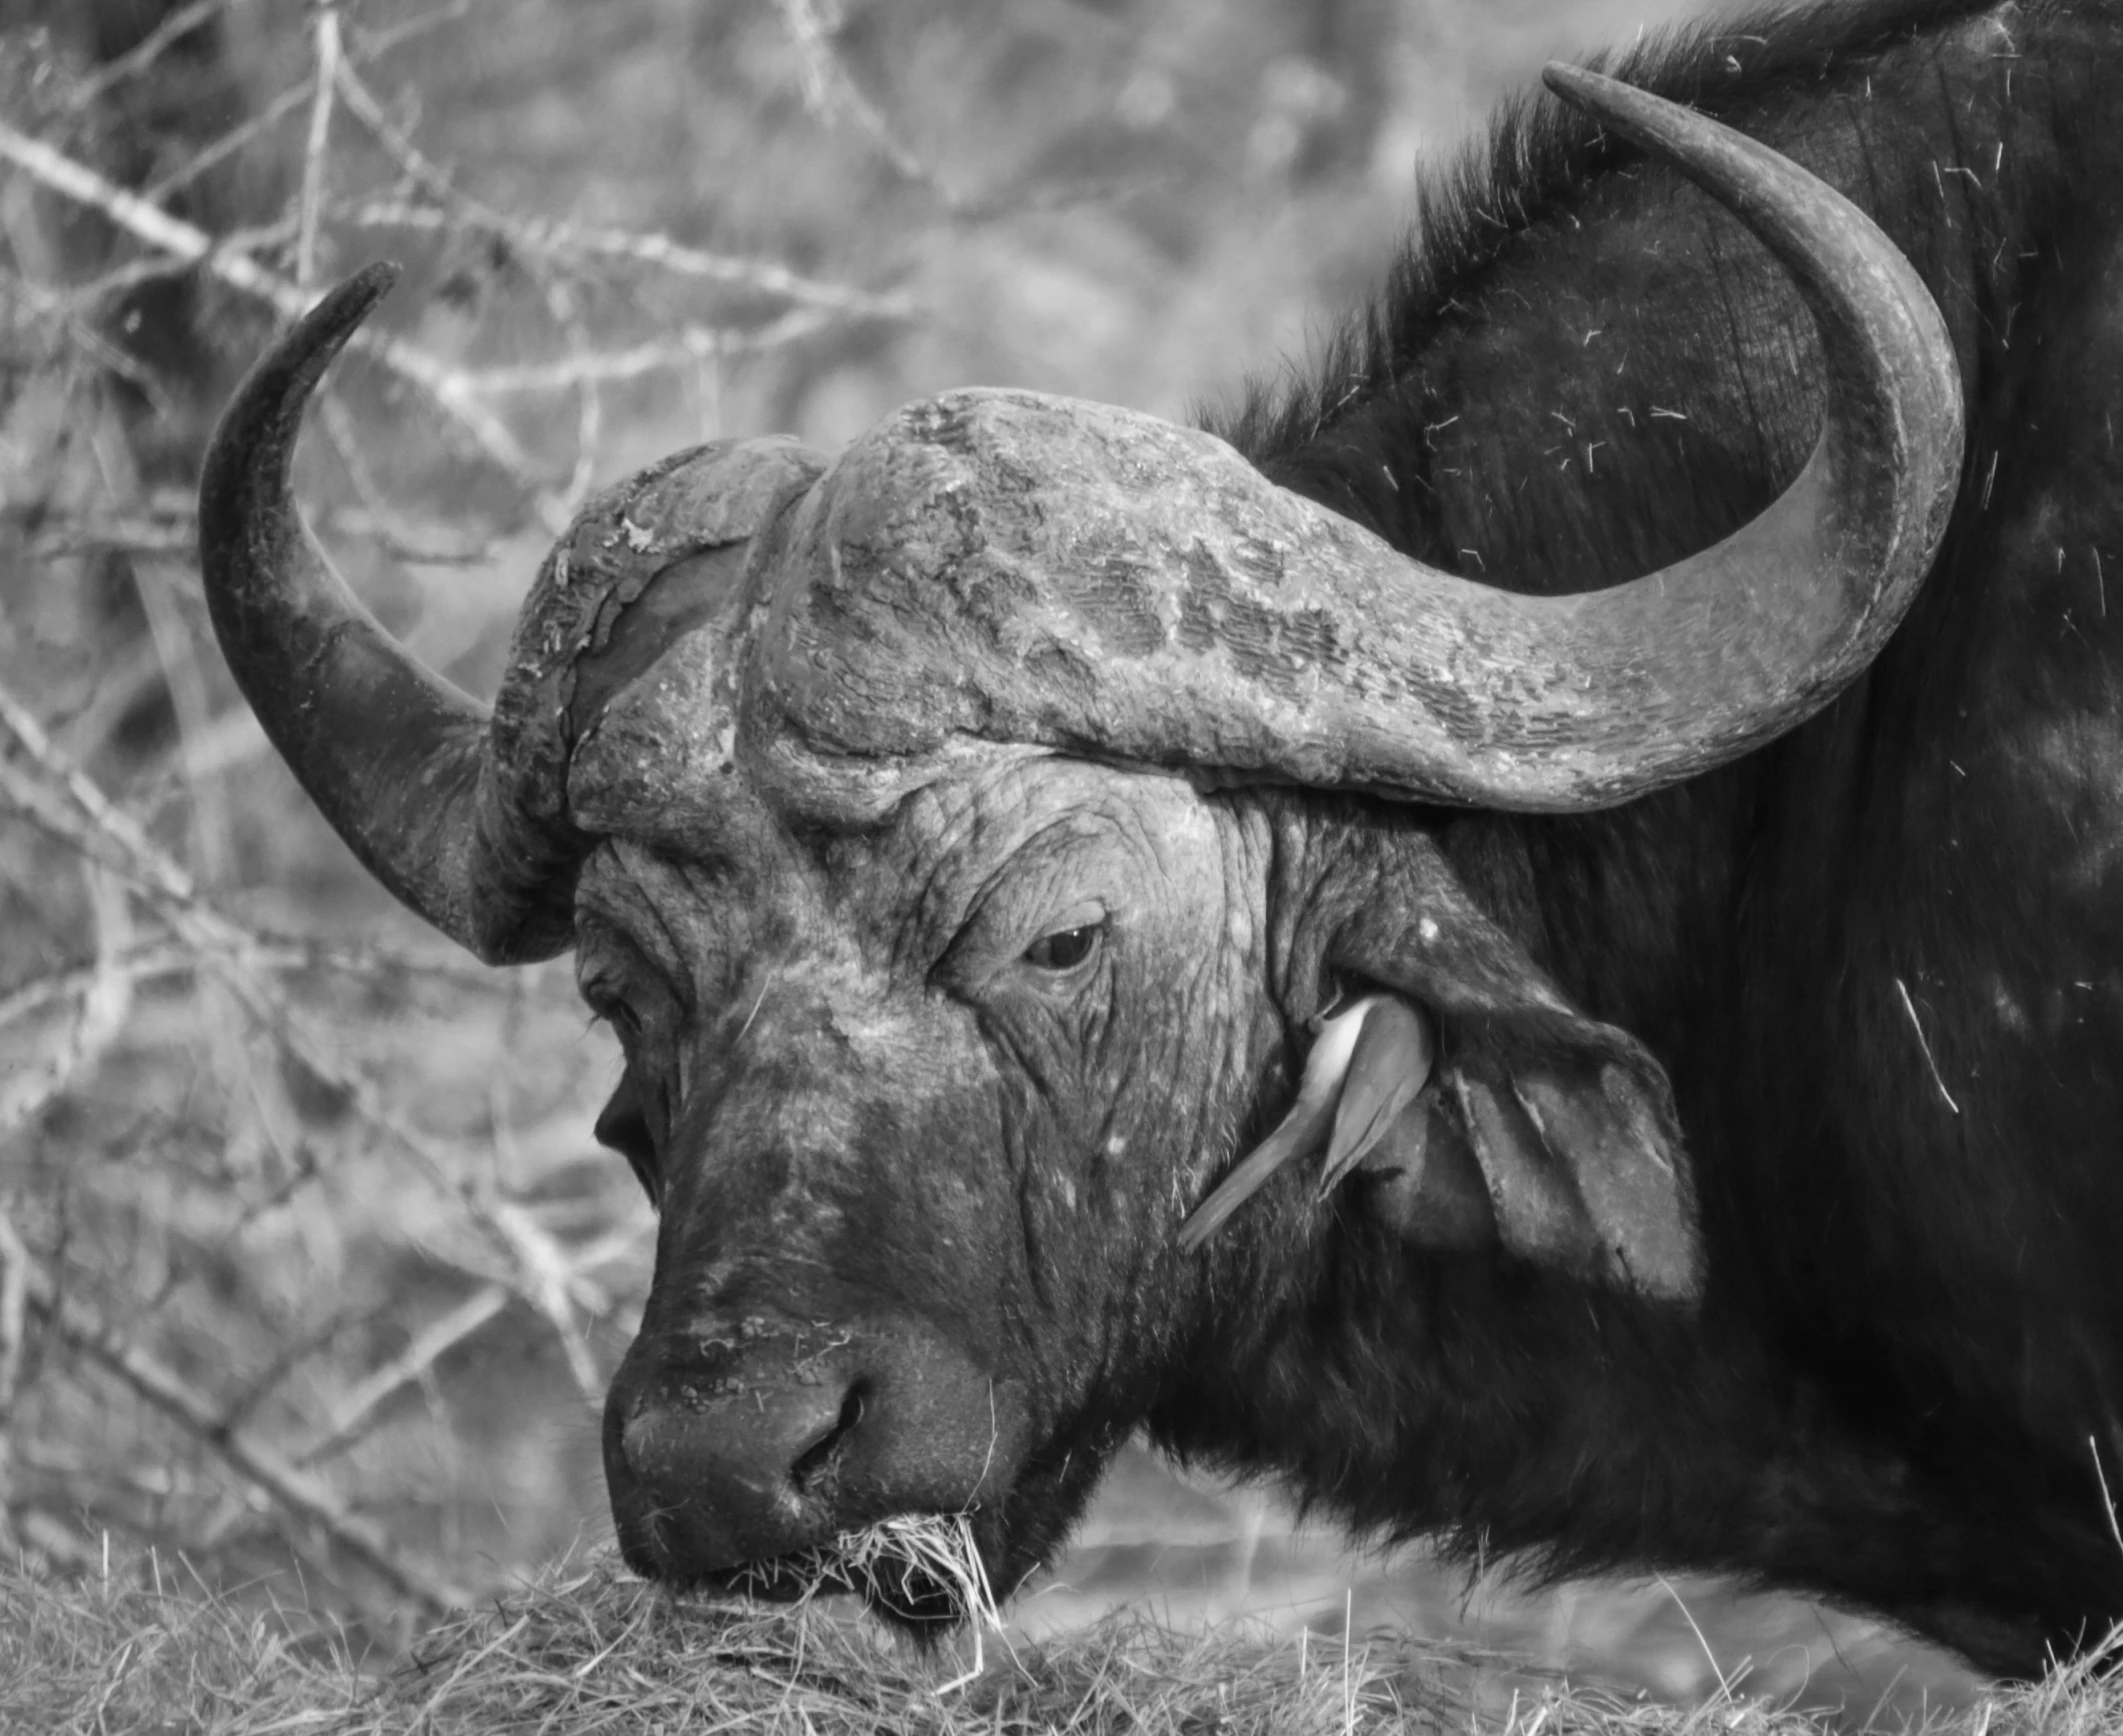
1567, 1166
1566, 1124
1585, 1169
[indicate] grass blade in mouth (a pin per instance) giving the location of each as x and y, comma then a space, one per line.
913, 1562
922, 1568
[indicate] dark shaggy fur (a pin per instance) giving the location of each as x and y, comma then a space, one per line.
1537, 159
1881, 961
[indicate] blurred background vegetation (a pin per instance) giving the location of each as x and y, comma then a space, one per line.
309, 1268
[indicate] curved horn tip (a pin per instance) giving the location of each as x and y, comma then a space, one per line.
255, 438
1595, 92
329, 324
368, 286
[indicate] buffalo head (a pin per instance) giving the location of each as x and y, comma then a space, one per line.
963, 836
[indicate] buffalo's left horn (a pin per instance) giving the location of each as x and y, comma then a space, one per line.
399, 761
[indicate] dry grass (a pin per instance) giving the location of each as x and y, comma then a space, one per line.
144, 1647
582, 1650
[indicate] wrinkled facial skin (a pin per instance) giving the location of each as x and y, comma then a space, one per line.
918, 1106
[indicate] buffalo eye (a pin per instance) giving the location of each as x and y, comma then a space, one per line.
1064, 949
607, 1003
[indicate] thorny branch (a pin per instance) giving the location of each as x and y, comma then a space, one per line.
455, 391
167, 958
287, 1484
443, 385
539, 1269
545, 237
110, 842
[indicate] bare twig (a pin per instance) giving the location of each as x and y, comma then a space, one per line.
833, 96
287, 1484
542, 1274
14, 1311
382, 42
85, 298
169, 958
200, 161
413, 163
313, 155
100, 1015
288, 1355
126, 536
417, 168
137, 852
683, 261
358, 1407
692, 344
558, 1282
550, 237
384, 522
545, 235
175, 648
208, 936
589, 400
443, 385
49, 813
178, 651
14, 1303
126, 681
68, 312
142, 55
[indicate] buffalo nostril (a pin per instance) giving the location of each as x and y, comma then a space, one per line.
811, 1464
704, 1483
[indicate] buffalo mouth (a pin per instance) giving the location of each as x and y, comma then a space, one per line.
923, 1573
923, 1570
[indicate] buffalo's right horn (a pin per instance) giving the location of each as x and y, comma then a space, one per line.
398, 760
1010, 567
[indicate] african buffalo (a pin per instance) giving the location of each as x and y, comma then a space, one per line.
1600, 789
